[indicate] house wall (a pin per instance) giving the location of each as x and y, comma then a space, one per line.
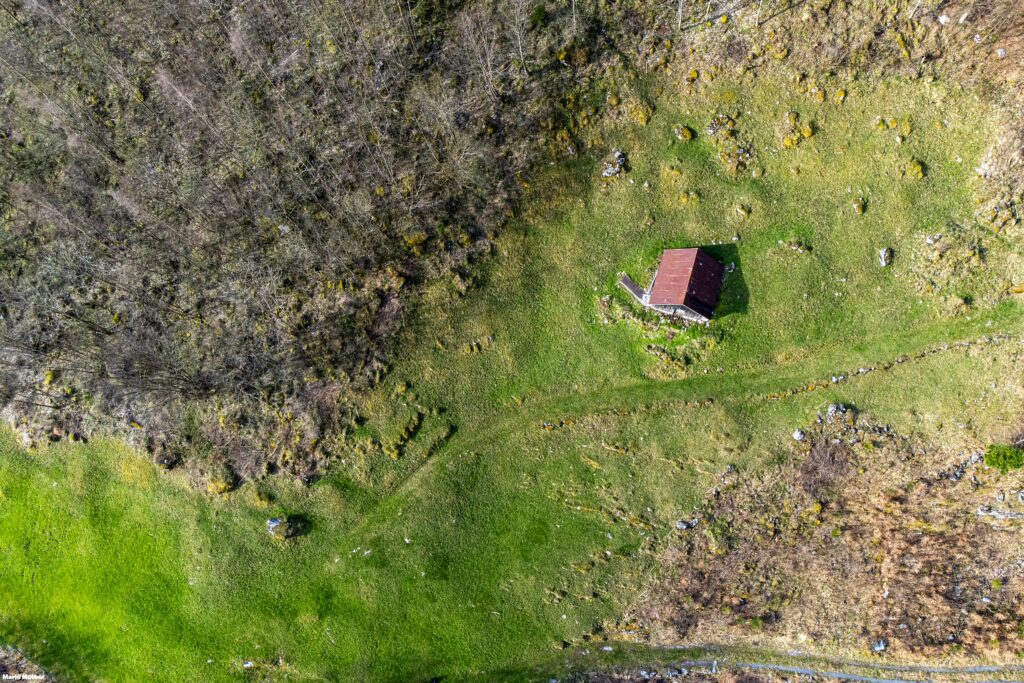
684, 312
643, 297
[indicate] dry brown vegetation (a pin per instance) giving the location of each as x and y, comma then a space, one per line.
212, 218
14, 666
865, 537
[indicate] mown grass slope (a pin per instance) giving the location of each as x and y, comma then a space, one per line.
459, 535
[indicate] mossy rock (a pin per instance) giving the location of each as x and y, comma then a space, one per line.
285, 527
683, 133
689, 197
915, 169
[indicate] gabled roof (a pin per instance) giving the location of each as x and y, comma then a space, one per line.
687, 277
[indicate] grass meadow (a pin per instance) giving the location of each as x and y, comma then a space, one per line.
461, 536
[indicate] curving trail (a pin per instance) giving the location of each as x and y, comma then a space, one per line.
759, 384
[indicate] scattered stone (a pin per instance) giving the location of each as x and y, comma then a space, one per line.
798, 435
942, 262
859, 205
1003, 213
798, 247
958, 472
885, 257
840, 413
988, 511
618, 164
879, 646
735, 152
794, 131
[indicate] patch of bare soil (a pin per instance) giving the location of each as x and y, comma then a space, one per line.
865, 541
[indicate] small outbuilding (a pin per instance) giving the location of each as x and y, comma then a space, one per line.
686, 285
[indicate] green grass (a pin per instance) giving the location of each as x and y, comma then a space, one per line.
522, 538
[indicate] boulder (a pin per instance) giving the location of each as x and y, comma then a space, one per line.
287, 526
278, 527
616, 165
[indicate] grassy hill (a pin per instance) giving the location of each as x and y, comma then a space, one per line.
513, 480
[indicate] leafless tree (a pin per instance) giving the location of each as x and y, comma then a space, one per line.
517, 16
481, 48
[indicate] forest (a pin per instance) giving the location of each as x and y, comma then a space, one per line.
216, 212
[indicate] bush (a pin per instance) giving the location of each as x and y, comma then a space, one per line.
1004, 457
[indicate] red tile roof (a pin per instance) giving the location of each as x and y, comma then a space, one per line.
687, 277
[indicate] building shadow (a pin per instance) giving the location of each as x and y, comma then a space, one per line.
735, 296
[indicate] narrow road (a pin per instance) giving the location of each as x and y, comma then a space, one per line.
713, 659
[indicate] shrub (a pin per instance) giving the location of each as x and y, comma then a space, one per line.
1004, 457
914, 169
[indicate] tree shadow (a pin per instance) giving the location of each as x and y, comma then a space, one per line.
735, 297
